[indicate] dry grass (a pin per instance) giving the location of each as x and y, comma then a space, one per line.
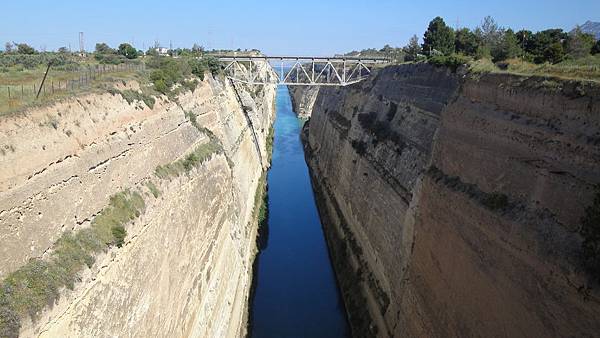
584, 69
24, 83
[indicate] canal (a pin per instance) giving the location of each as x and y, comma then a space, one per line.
296, 294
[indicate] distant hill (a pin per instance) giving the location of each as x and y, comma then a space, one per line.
591, 27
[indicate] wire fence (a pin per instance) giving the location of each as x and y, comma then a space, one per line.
59, 82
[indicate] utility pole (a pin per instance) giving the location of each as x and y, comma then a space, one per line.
81, 45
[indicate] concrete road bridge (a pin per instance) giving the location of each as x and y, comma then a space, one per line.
299, 70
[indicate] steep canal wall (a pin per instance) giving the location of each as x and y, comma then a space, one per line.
161, 191
452, 203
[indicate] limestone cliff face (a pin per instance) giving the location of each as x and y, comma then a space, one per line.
303, 99
185, 268
451, 203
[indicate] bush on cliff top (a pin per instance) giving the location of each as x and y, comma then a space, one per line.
36, 285
167, 71
451, 61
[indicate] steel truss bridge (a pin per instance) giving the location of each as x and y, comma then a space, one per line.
299, 71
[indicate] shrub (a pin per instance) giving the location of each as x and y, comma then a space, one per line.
198, 68
110, 59
360, 147
192, 160
32, 287
190, 85
451, 61
128, 51
153, 189
161, 86
554, 53
495, 201
24, 48
590, 231
131, 95
207, 63
32, 61
119, 233
192, 118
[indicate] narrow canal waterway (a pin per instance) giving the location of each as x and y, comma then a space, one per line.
296, 294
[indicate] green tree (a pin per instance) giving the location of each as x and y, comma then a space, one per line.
438, 37
103, 48
152, 52
596, 48
466, 42
63, 50
542, 40
507, 47
128, 51
412, 49
23, 48
554, 53
579, 44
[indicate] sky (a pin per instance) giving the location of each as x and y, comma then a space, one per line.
310, 27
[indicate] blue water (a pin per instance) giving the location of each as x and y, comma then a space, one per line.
296, 294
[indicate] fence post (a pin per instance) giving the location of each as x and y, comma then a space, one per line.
8, 87
52, 83
22, 92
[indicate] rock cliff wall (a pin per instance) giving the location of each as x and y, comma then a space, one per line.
303, 99
186, 263
451, 202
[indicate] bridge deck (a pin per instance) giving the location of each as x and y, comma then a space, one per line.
302, 58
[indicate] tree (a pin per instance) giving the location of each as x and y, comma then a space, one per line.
489, 32
103, 48
438, 37
63, 50
23, 48
466, 42
8, 47
541, 41
197, 49
596, 48
152, 51
507, 47
128, 51
554, 53
579, 44
412, 49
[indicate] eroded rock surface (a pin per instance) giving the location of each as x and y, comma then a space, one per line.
185, 268
451, 203
303, 99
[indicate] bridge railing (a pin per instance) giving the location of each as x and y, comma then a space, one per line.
300, 70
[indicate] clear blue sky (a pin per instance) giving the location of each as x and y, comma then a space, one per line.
319, 27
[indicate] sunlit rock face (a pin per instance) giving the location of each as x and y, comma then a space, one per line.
185, 268
452, 202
